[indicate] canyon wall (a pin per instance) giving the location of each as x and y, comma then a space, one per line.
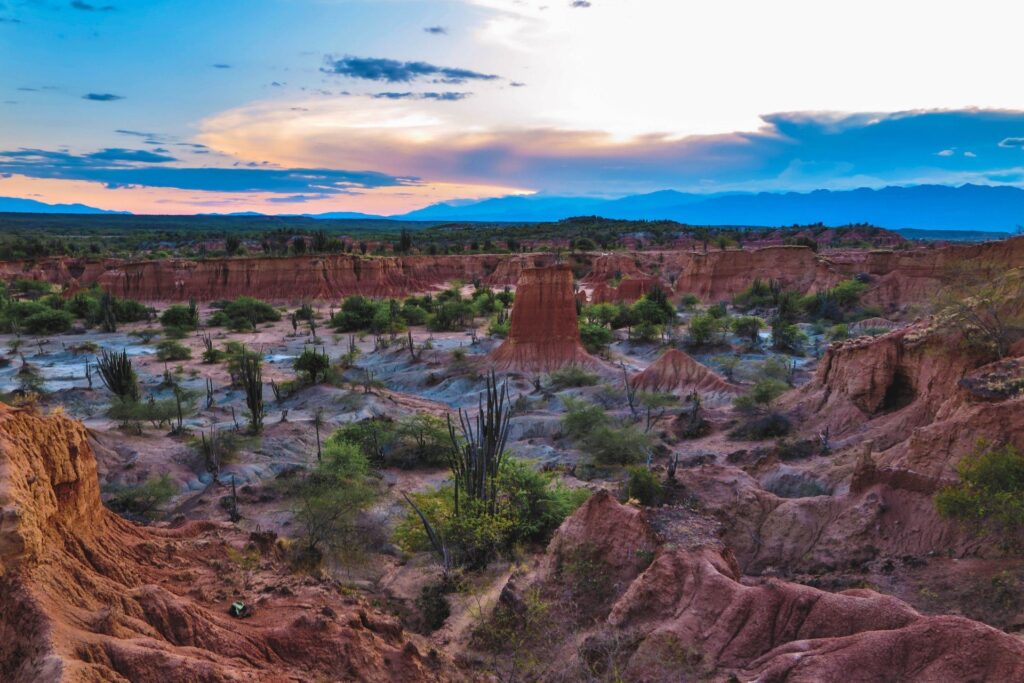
86, 596
898, 278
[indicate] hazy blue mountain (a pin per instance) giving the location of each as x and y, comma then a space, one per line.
528, 209
928, 207
16, 205
343, 214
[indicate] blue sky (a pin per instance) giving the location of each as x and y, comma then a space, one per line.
385, 106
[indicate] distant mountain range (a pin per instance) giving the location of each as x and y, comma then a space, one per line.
924, 207
929, 207
15, 205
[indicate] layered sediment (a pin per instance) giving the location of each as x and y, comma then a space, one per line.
88, 596
676, 372
544, 334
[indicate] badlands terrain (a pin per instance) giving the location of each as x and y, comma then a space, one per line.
767, 462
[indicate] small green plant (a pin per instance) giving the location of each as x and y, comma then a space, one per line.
643, 486
171, 350
571, 376
145, 499
990, 493
118, 374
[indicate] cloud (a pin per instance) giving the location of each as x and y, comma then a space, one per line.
1012, 142
114, 167
86, 7
221, 66
436, 30
945, 153
789, 151
136, 133
580, 3
9, 20
394, 71
439, 96
101, 97
970, 155
517, 84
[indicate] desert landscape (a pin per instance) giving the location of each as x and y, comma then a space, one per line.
756, 462
511, 341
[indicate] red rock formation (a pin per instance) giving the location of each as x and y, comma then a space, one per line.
675, 606
915, 393
544, 334
88, 596
677, 373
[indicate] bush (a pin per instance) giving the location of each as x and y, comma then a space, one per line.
171, 350
747, 327
145, 499
582, 418
245, 313
328, 499
180, 317
356, 314
990, 492
760, 427
571, 376
787, 337
643, 486
499, 327
49, 321
704, 330
451, 316
608, 445
312, 365
596, 338
530, 507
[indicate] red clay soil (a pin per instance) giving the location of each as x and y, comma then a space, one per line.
899, 277
917, 395
88, 596
678, 373
544, 334
678, 609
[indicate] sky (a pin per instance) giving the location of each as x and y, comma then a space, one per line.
385, 106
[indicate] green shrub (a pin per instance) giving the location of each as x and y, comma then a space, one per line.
499, 327
143, 500
596, 338
990, 493
571, 376
50, 321
356, 314
747, 327
582, 418
171, 350
312, 365
245, 313
530, 507
608, 445
704, 330
327, 501
180, 317
643, 486
787, 337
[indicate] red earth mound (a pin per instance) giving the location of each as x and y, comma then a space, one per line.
676, 608
88, 596
544, 334
918, 394
678, 373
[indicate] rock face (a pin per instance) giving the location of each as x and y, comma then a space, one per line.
87, 596
676, 609
678, 373
544, 334
917, 394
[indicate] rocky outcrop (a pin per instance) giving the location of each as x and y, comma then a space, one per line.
917, 394
544, 334
678, 609
88, 596
676, 372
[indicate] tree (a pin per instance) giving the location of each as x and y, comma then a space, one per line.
327, 500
